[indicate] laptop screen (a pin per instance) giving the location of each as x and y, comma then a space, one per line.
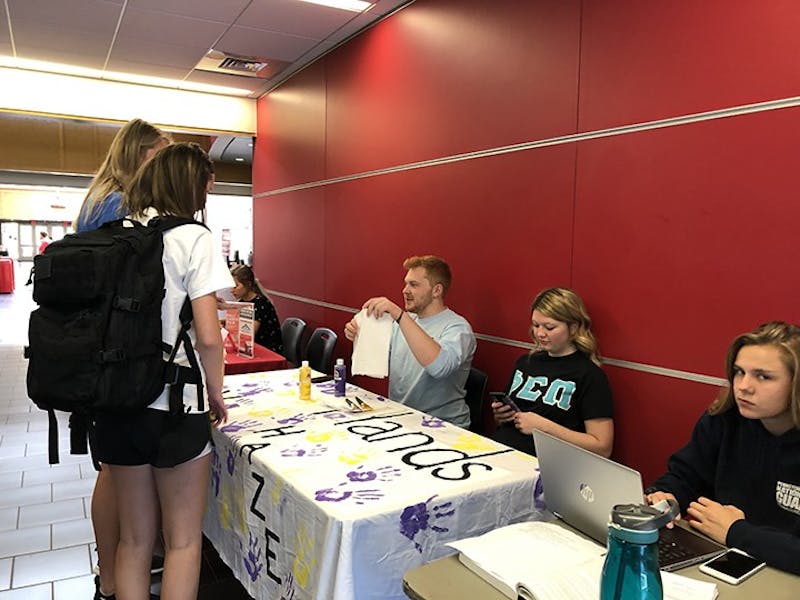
581, 487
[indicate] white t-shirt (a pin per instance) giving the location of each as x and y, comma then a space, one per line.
193, 266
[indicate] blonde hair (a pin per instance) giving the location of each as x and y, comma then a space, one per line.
174, 182
779, 334
124, 157
436, 269
562, 304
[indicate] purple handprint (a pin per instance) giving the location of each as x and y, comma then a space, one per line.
252, 562
382, 474
417, 518
359, 496
215, 471
335, 415
432, 422
296, 451
237, 426
231, 461
538, 492
295, 420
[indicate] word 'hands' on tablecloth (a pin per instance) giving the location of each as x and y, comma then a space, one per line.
371, 346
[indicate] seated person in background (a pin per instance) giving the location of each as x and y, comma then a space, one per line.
739, 475
431, 347
558, 387
267, 328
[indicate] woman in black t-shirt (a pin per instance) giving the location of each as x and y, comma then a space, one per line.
267, 328
558, 387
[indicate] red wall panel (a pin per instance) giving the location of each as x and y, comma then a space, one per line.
677, 238
643, 61
449, 76
697, 234
290, 140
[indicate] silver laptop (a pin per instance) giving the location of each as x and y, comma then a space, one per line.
581, 487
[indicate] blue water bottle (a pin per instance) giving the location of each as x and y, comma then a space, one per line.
630, 571
339, 378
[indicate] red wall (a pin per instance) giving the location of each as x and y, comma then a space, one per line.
677, 238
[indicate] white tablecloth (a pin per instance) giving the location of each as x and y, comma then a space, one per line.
308, 500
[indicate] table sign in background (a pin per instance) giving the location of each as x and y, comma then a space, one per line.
309, 500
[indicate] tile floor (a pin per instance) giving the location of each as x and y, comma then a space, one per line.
46, 538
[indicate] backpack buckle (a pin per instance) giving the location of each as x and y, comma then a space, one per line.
115, 355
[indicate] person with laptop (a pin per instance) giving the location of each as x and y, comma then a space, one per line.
738, 478
558, 387
431, 346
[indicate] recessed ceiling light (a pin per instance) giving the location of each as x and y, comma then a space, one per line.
63, 69
353, 5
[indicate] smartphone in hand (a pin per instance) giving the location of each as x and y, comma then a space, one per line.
505, 399
733, 566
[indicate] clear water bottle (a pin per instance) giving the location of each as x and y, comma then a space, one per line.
339, 378
630, 571
305, 381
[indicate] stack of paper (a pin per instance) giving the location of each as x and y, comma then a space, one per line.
545, 561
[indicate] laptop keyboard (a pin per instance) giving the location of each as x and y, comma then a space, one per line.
670, 550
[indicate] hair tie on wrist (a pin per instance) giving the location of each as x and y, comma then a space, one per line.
400, 316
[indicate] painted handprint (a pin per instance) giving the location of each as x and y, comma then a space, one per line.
297, 451
230, 462
252, 562
422, 517
340, 495
293, 420
360, 474
354, 459
538, 492
216, 468
432, 422
239, 427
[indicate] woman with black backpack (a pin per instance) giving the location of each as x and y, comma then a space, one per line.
160, 460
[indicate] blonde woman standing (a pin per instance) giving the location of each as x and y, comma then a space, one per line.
132, 146
558, 387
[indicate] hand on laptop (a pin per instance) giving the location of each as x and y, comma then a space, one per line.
712, 518
657, 497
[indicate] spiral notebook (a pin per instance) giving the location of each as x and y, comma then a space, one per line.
581, 487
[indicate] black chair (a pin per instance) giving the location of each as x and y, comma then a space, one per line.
475, 389
319, 351
292, 330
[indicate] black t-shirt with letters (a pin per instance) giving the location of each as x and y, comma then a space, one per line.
567, 390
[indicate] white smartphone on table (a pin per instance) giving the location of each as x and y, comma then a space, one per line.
733, 566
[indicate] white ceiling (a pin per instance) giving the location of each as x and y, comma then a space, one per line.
167, 38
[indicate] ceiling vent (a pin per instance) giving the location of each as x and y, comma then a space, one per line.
216, 61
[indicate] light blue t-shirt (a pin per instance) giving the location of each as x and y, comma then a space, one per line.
110, 209
437, 389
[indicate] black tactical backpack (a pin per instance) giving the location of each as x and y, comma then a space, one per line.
95, 342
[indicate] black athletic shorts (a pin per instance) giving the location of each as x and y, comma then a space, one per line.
151, 438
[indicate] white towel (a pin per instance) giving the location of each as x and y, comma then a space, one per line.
371, 346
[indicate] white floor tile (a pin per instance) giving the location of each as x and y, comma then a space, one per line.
72, 533
24, 541
12, 451
51, 474
64, 563
78, 488
23, 464
36, 592
5, 573
72, 589
35, 494
8, 518
10, 480
51, 512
